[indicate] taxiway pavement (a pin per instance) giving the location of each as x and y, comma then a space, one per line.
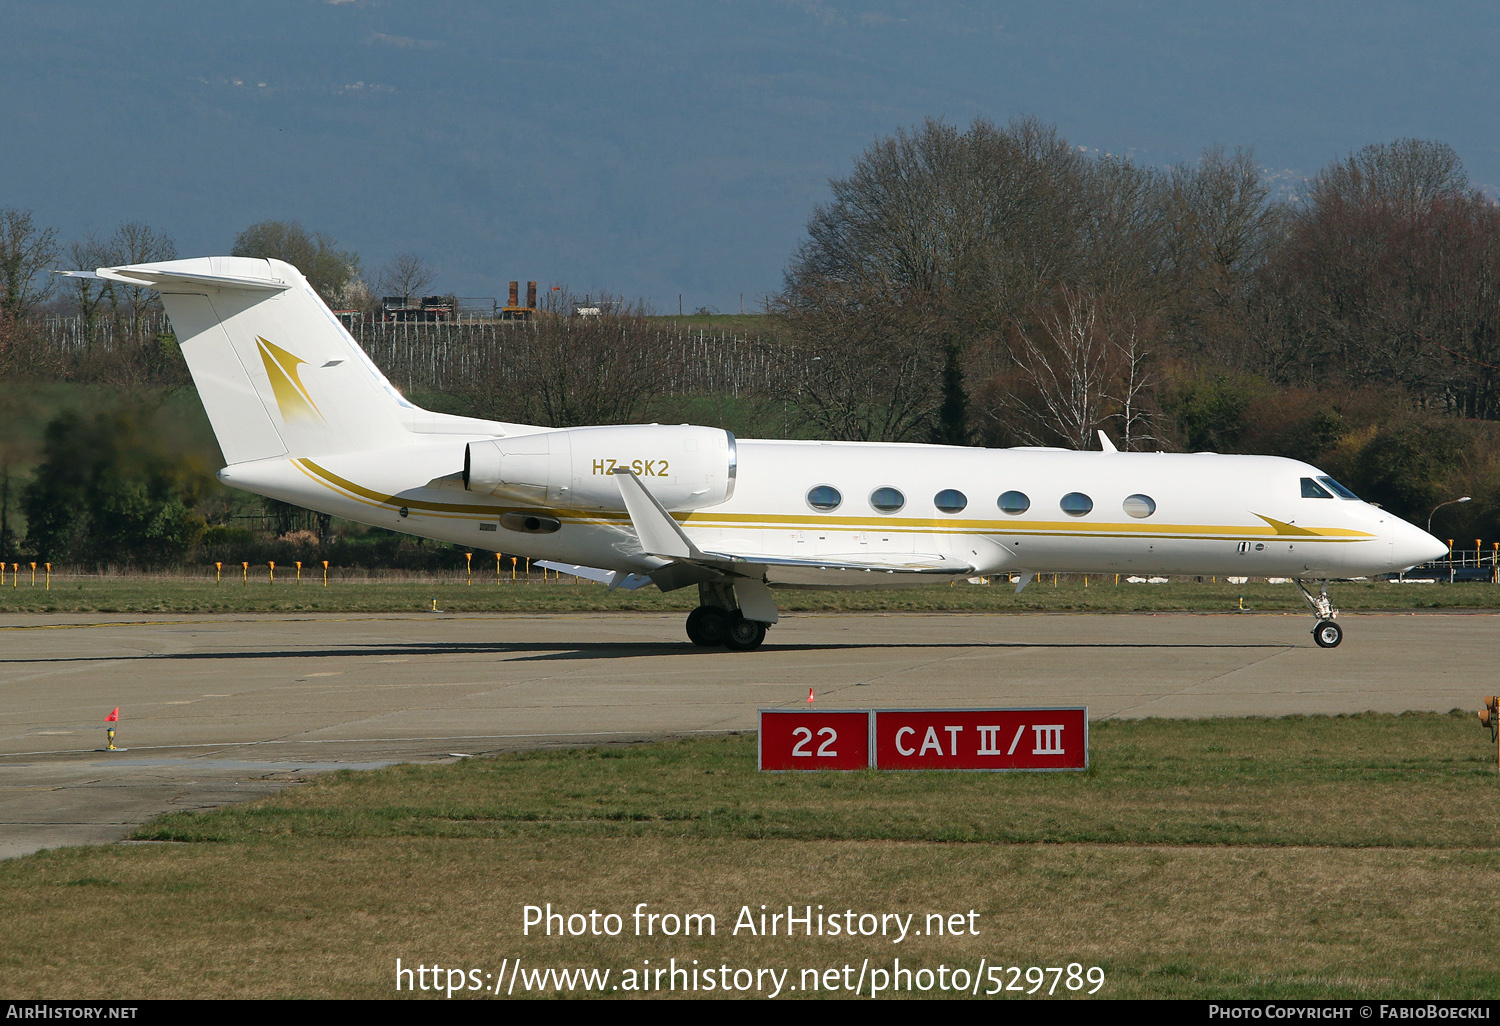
221, 708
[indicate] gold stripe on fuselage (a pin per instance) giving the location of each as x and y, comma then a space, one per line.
801, 522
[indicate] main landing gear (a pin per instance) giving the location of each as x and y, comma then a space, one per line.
714, 625
1326, 632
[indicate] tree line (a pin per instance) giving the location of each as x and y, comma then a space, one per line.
996, 285
107, 487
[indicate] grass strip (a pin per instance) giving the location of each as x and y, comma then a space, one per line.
1299, 857
166, 594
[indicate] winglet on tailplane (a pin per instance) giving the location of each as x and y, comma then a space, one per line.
277, 372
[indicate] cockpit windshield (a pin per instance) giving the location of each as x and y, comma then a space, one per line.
1338, 489
1312, 490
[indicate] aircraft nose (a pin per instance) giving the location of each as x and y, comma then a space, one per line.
1413, 546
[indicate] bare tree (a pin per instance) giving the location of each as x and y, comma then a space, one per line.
89, 294
1220, 226
137, 243
864, 369
1404, 177
980, 217
405, 274
1388, 276
1123, 237
568, 371
1135, 383
27, 253
1059, 387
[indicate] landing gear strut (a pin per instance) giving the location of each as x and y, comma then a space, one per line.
719, 622
1326, 633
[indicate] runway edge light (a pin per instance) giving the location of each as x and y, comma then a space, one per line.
109, 732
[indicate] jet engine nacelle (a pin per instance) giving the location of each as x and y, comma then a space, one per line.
685, 467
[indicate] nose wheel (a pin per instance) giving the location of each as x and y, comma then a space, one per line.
1327, 633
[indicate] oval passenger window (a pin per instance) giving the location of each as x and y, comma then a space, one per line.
950, 500
824, 498
1076, 504
887, 500
1140, 506
1014, 502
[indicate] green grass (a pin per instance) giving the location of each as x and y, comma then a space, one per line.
200, 594
747, 325
1299, 857
1365, 781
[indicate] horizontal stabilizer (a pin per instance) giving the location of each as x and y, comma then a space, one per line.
161, 278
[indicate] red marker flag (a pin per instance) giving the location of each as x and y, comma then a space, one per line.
809, 695
114, 716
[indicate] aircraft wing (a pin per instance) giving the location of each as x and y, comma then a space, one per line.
613, 578
663, 537
836, 571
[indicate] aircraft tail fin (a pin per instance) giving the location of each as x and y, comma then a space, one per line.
277, 372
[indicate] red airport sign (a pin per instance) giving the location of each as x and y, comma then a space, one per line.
814, 739
981, 739
915, 739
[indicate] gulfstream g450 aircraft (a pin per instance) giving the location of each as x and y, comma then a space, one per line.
303, 415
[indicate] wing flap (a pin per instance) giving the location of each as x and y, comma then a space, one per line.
902, 569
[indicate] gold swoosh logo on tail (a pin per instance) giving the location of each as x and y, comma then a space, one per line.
291, 395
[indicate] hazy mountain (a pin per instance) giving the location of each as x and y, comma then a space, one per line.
663, 147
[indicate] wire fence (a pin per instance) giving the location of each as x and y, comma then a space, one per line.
487, 570
1459, 565
111, 349
452, 356
441, 356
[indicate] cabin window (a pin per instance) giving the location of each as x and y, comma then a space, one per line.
1014, 502
887, 500
1139, 506
1076, 504
950, 500
1338, 489
1312, 490
824, 498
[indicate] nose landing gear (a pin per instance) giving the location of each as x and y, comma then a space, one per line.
1326, 633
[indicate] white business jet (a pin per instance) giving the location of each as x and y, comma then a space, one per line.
303, 415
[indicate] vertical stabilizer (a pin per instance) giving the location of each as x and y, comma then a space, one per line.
277, 373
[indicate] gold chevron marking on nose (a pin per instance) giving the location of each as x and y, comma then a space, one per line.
291, 395
1291, 529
